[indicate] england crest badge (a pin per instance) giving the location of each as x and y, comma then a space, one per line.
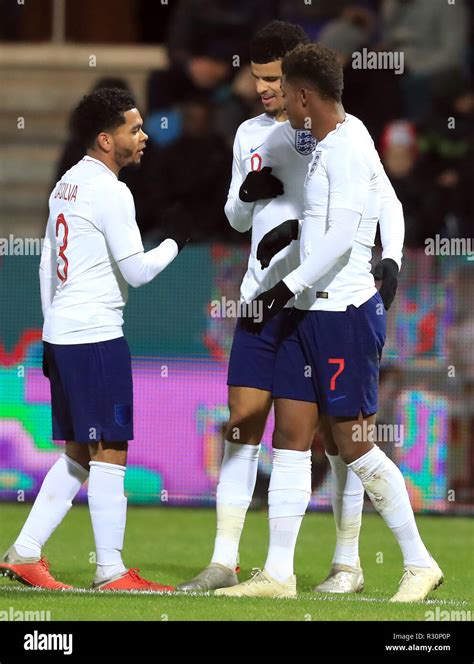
304, 141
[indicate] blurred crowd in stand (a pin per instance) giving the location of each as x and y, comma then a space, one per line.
422, 118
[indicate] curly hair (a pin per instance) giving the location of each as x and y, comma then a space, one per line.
102, 110
275, 40
316, 65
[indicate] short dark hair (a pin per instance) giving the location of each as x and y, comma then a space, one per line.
102, 110
275, 40
318, 66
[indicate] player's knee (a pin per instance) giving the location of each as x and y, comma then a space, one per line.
245, 426
78, 453
81, 460
244, 432
351, 453
346, 456
291, 438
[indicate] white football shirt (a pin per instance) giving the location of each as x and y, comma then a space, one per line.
346, 174
259, 142
91, 226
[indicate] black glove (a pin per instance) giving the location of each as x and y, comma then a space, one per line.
276, 240
266, 306
259, 185
387, 272
178, 224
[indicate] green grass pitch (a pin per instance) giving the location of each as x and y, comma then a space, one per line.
171, 545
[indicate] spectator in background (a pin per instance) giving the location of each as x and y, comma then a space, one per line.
188, 177
245, 94
433, 35
399, 154
410, 176
313, 16
199, 26
447, 141
204, 38
372, 95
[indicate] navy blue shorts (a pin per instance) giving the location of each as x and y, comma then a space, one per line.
338, 353
252, 357
91, 391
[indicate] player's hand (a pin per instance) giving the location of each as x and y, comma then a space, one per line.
259, 185
266, 306
387, 271
178, 223
276, 240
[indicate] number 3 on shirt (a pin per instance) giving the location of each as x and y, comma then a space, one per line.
61, 221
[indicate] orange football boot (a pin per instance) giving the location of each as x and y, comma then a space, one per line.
29, 571
131, 580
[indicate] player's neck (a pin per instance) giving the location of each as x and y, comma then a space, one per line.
106, 160
280, 116
327, 120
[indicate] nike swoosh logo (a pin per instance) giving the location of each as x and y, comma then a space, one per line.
252, 150
337, 398
269, 306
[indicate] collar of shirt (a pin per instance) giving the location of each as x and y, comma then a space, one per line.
101, 163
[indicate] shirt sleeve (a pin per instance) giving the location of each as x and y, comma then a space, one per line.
338, 240
47, 269
392, 226
141, 268
238, 212
116, 218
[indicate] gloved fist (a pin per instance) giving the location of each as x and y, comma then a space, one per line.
387, 271
178, 224
267, 305
259, 185
276, 240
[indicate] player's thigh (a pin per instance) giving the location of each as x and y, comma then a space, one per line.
295, 424
353, 436
249, 408
79, 452
252, 356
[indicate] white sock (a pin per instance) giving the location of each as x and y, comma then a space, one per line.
288, 497
52, 503
237, 479
347, 502
386, 489
108, 510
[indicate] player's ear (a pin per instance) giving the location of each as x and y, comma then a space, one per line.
104, 141
303, 97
